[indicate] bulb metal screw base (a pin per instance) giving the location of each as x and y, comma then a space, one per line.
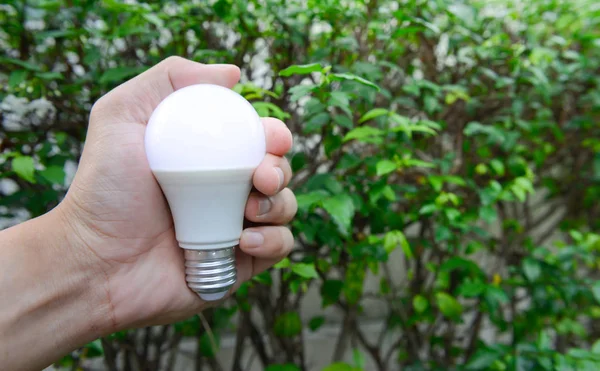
210, 273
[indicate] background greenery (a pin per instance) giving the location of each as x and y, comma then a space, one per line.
448, 150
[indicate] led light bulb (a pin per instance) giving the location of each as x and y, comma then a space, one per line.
203, 143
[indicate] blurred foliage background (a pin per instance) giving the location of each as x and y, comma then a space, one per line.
447, 170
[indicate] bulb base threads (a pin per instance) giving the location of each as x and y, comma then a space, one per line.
210, 273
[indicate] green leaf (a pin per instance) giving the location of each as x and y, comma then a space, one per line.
263, 278
344, 121
331, 291
543, 341
341, 100
49, 75
307, 200
396, 238
284, 263
351, 77
596, 347
300, 91
496, 296
452, 214
596, 291
418, 163
362, 133
374, 113
442, 233
359, 358
154, 19
288, 325
54, 174
428, 209
412, 89
23, 166
423, 22
497, 166
316, 122
420, 303
119, 74
389, 193
341, 209
284, 367
483, 359
431, 104
27, 65
448, 305
385, 166
316, 322
488, 213
471, 289
340, 366
265, 109
94, 349
531, 269
206, 346
301, 69
17, 77
420, 129
305, 270
403, 122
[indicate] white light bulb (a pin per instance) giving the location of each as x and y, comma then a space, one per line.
203, 143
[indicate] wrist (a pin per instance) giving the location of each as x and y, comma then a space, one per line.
55, 300
90, 273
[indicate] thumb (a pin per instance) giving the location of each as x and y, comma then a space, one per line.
136, 99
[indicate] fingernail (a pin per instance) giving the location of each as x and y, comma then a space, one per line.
264, 206
253, 239
281, 178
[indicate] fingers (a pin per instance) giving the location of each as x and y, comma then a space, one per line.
272, 175
278, 136
138, 97
272, 243
274, 172
278, 209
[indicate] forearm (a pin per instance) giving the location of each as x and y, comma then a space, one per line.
50, 300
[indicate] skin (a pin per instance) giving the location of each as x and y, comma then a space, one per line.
106, 258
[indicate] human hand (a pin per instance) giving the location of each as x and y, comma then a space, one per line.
117, 215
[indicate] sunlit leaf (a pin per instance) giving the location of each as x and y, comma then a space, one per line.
301, 69
24, 167
288, 325
341, 208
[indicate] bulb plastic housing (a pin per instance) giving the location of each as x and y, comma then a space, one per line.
203, 143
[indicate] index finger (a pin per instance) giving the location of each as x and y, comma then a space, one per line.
139, 96
277, 136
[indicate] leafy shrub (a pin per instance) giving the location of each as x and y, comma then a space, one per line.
446, 149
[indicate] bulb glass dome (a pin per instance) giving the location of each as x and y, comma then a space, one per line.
203, 127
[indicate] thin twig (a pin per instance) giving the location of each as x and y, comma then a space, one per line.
208, 330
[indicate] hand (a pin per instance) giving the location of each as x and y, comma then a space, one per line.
118, 217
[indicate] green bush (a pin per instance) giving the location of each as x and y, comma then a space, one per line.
447, 149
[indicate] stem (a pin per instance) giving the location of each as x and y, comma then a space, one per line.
110, 356
342, 341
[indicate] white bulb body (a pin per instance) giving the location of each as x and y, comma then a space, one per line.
207, 205
203, 144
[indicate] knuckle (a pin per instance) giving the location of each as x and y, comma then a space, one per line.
98, 107
273, 121
284, 163
290, 205
293, 204
289, 240
286, 241
288, 134
173, 60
